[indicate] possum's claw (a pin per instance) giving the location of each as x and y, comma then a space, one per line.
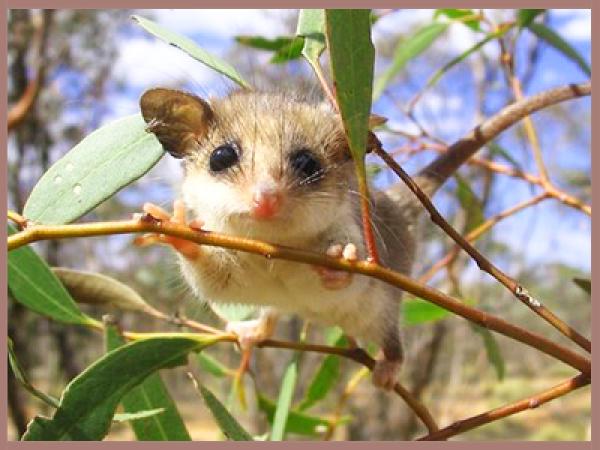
337, 279
187, 248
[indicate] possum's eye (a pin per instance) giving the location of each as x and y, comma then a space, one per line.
306, 165
223, 157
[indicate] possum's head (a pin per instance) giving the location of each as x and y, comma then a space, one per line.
256, 164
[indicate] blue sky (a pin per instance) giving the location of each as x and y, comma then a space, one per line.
555, 233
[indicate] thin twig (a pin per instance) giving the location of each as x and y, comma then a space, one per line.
484, 264
508, 410
476, 233
45, 232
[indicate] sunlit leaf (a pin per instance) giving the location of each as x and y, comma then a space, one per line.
416, 311
466, 16
130, 417
233, 312
406, 50
32, 283
263, 43
289, 52
212, 366
104, 162
284, 401
192, 49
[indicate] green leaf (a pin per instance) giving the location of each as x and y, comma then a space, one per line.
311, 26
470, 203
233, 312
407, 50
556, 41
192, 49
416, 311
263, 43
32, 283
297, 422
89, 401
129, 417
291, 51
227, 423
324, 379
99, 289
526, 16
150, 395
104, 162
284, 401
492, 350
585, 284
459, 15
352, 57
212, 366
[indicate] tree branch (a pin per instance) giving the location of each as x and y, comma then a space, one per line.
508, 410
484, 264
149, 225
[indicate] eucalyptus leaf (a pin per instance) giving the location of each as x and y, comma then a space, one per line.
104, 162
150, 395
32, 283
227, 423
129, 417
88, 403
192, 49
324, 379
311, 26
284, 401
416, 311
352, 57
406, 50
289, 52
526, 16
461, 15
555, 40
99, 289
263, 43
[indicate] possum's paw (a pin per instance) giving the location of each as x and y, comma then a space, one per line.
337, 279
385, 373
250, 332
187, 248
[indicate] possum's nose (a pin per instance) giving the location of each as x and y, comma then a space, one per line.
266, 201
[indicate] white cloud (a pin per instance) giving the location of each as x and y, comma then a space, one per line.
148, 62
223, 23
578, 26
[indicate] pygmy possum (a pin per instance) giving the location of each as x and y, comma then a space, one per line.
277, 167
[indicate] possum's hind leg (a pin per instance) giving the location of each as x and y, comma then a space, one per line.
388, 363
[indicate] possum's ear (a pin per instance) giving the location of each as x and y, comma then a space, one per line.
178, 119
